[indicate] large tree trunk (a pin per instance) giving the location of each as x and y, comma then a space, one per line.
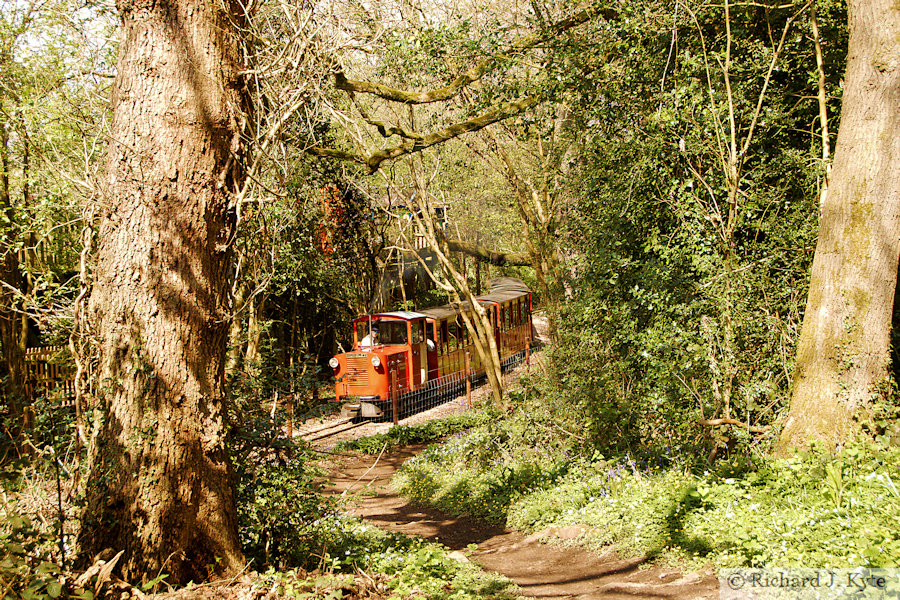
160, 484
843, 355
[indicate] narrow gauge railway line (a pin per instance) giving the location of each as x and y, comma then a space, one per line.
330, 430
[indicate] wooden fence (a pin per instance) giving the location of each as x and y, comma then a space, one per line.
47, 378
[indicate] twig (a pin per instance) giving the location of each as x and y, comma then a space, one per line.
735, 423
383, 448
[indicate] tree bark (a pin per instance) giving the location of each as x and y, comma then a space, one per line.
843, 354
160, 483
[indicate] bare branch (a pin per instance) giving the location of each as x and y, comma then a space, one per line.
505, 111
733, 423
373, 162
335, 153
383, 128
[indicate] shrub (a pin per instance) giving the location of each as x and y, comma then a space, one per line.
279, 509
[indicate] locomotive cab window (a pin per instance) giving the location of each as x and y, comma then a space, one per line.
436, 333
389, 333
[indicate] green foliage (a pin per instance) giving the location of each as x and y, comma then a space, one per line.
743, 511
278, 505
302, 585
38, 513
688, 299
486, 494
484, 471
415, 568
26, 571
21, 568
405, 435
278, 511
52, 112
780, 512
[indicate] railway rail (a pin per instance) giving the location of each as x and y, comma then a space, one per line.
329, 430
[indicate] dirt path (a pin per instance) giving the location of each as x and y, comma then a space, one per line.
540, 570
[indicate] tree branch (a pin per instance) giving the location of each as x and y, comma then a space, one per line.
500, 259
477, 72
504, 112
733, 423
386, 130
373, 161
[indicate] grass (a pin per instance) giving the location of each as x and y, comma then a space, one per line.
406, 435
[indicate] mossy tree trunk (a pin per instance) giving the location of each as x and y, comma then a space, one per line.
160, 484
843, 355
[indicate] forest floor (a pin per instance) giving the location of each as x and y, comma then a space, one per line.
546, 565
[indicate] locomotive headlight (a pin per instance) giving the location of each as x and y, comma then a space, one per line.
333, 363
376, 362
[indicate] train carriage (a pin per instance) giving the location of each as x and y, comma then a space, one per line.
398, 353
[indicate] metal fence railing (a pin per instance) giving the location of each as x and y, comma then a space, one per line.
441, 390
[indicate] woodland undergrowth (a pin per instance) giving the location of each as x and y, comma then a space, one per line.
819, 508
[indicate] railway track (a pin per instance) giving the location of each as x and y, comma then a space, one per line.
330, 429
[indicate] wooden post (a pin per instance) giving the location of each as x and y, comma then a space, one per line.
395, 409
468, 380
290, 412
528, 356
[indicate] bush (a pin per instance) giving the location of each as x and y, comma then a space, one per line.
279, 509
31, 561
277, 494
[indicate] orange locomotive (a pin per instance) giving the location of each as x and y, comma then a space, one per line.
402, 352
